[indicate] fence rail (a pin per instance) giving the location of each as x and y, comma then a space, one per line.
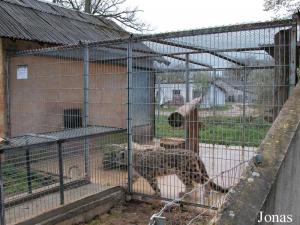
41, 172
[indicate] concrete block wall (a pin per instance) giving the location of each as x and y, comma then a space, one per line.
274, 189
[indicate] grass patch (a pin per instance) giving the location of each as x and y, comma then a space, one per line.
220, 130
226, 107
168, 108
15, 179
117, 138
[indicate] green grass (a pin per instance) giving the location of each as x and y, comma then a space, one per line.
220, 130
168, 108
226, 107
117, 138
15, 179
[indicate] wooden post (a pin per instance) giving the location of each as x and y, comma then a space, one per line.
178, 118
192, 139
281, 54
188, 115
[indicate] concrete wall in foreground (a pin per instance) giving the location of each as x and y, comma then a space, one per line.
284, 198
272, 187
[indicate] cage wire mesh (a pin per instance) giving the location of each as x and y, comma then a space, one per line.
190, 108
175, 212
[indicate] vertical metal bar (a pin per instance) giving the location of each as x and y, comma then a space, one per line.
61, 173
187, 99
187, 75
129, 113
244, 114
293, 49
7, 94
86, 108
28, 170
158, 97
214, 116
2, 206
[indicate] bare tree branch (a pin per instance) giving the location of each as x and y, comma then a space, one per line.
110, 9
282, 8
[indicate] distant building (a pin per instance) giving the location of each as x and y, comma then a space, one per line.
175, 94
234, 90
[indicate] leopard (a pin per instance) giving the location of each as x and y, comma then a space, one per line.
186, 164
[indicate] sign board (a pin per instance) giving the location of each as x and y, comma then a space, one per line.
22, 72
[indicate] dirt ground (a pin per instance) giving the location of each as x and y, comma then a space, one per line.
139, 213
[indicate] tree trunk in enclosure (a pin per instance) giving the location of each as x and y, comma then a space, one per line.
281, 55
177, 118
192, 131
188, 115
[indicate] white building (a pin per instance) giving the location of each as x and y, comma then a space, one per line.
212, 94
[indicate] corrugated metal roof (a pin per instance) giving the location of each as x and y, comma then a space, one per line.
40, 21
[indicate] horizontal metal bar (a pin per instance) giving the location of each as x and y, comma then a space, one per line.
215, 69
42, 136
204, 50
38, 194
63, 140
191, 61
136, 195
203, 31
177, 34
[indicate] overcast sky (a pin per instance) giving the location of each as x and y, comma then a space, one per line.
172, 15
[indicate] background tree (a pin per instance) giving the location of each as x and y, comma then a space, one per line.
110, 9
282, 8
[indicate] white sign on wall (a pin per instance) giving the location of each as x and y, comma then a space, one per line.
22, 72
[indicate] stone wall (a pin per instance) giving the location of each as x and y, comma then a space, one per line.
273, 186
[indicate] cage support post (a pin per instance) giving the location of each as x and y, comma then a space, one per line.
187, 99
282, 75
129, 113
86, 108
28, 171
187, 77
192, 118
8, 94
61, 174
214, 116
158, 97
293, 63
244, 114
2, 206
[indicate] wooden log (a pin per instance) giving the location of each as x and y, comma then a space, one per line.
192, 131
281, 54
172, 143
177, 118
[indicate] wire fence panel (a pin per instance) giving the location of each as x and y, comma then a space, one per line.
162, 115
39, 178
67, 111
217, 94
